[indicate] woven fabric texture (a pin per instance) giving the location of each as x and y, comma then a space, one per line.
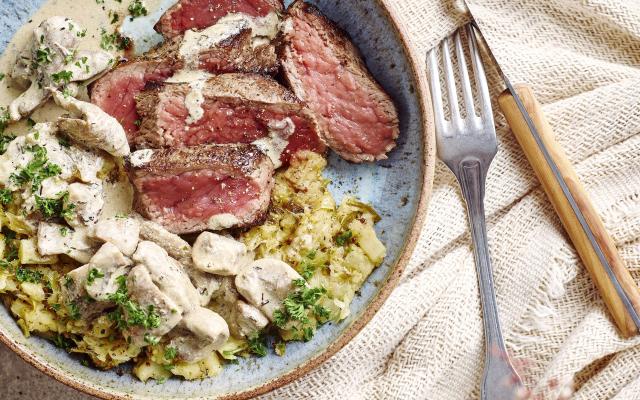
581, 58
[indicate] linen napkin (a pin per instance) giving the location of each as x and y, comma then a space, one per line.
582, 58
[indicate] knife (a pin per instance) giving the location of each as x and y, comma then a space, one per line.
571, 202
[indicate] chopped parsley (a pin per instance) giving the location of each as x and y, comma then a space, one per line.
64, 231
94, 274
31, 123
68, 281
137, 9
170, 353
74, 311
257, 344
28, 275
62, 77
50, 208
5, 118
111, 41
37, 169
129, 312
43, 57
280, 348
150, 339
344, 238
62, 342
307, 266
115, 17
137, 122
298, 305
2, 75
5, 196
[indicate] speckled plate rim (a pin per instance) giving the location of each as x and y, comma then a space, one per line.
428, 162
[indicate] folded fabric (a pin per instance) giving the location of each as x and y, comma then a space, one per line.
581, 58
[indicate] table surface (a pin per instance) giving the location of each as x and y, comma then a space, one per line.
22, 381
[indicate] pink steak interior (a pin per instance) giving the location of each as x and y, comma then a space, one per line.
352, 116
197, 195
200, 14
224, 123
116, 94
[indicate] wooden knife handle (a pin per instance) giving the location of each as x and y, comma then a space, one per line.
584, 247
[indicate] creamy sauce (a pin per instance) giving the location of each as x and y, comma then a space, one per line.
141, 157
194, 101
196, 41
277, 141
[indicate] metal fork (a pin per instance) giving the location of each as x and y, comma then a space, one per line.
467, 146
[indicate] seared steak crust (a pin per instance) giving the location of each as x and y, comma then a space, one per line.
192, 189
200, 14
357, 118
237, 108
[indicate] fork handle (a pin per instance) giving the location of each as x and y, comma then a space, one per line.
616, 286
500, 380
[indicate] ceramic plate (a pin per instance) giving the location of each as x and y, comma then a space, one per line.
398, 188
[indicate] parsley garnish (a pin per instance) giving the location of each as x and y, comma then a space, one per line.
114, 41
137, 9
2, 75
68, 281
62, 342
37, 169
43, 57
297, 306
130, 313
94, 274
150, 339
257, 344
343, 238
170, 353
307, 266
28, 275
5, 196
74, 310
62, 77
55, 207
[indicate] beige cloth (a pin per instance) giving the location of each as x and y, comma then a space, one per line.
581, 57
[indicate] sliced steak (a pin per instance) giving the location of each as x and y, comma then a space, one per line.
192, 189
115, 92
357, 118
232, 108
200, 14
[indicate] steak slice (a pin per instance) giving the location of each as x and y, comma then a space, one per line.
357, 118
191, 189
200, 14
115, 92
233, 108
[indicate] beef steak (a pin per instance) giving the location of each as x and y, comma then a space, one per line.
357, 118
192, 189
115, 92
233, 108
200, 14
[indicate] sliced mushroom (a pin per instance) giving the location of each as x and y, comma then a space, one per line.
219, 255
75, 297
109, 264
200, 332
124, 233
88, 201
206, 284
167, 274
249, 319
144, 291
52, 59
266, 283
96, 129
59, 239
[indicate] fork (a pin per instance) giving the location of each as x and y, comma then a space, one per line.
467, 145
